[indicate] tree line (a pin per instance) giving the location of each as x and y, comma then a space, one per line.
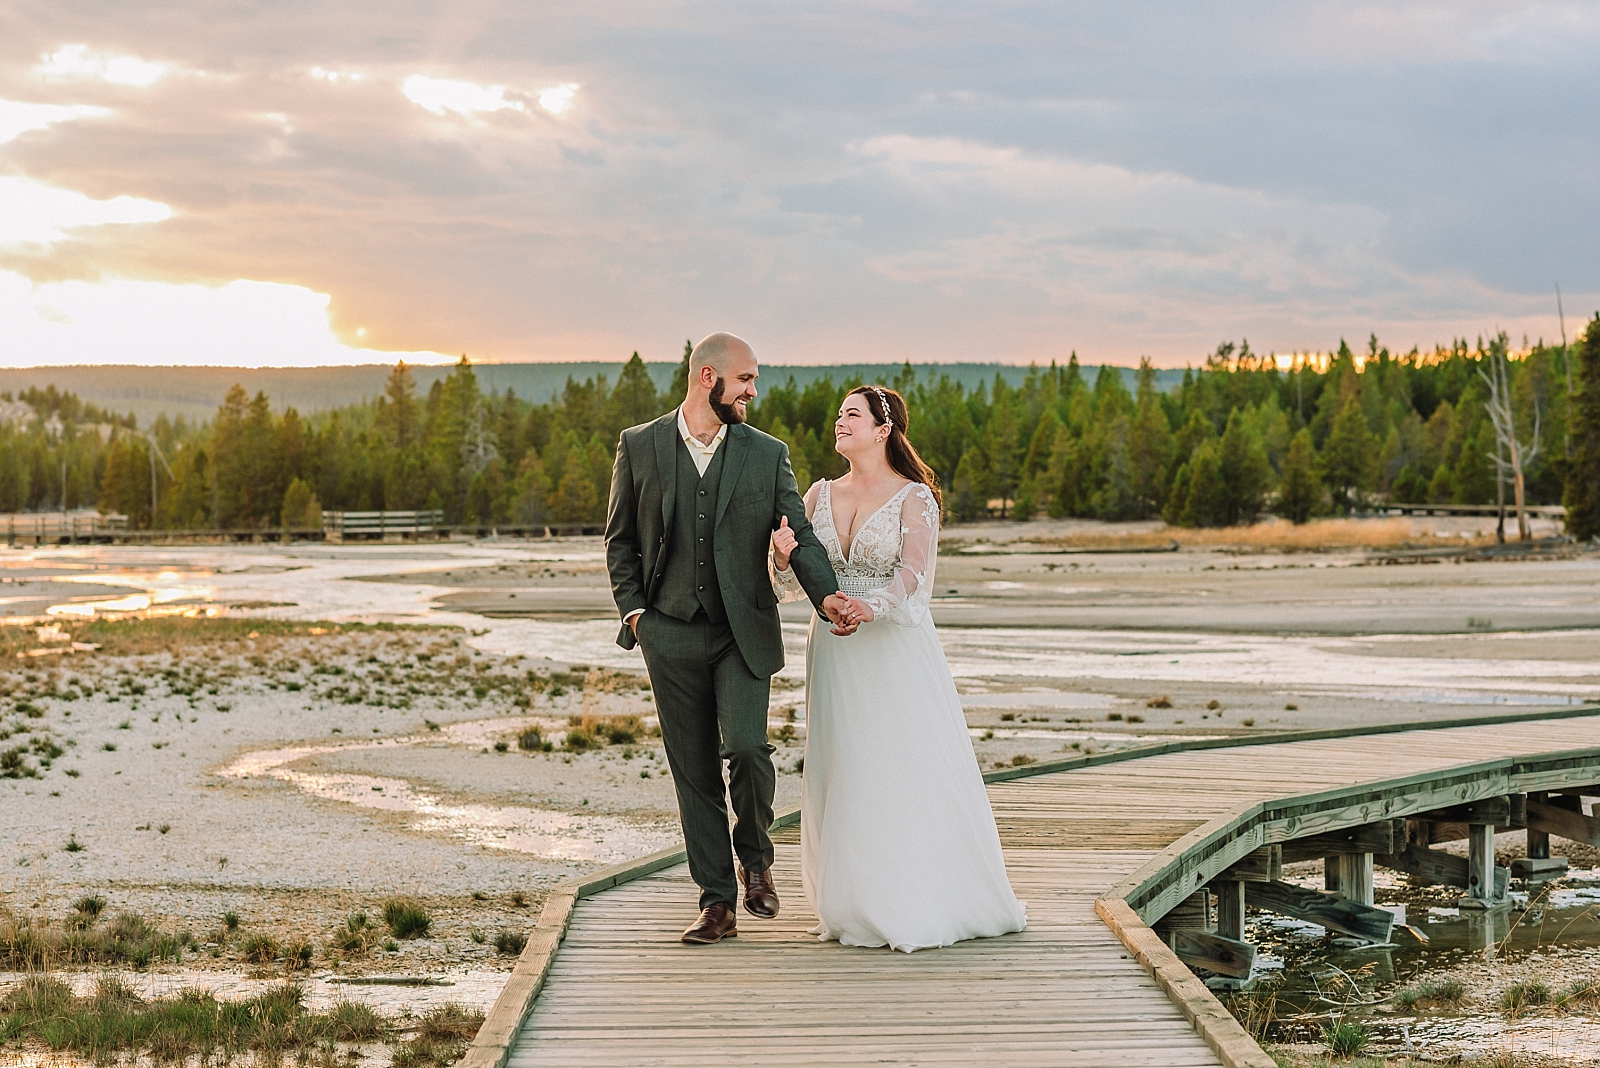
1240, 437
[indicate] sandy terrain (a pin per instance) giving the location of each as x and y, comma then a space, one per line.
301, 777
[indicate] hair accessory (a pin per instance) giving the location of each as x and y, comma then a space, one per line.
883, 398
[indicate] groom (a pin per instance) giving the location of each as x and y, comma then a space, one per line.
695, 496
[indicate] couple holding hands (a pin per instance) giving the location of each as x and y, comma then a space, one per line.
706, 533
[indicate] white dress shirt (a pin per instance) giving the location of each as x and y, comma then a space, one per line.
701, 454
699, 451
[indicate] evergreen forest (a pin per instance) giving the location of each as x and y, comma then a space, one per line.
1239, 438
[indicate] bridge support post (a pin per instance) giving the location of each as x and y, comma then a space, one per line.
1538, 841
1354, 877
1480, 867
1230, 909
1539, 866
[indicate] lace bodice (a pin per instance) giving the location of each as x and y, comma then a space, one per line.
891, 558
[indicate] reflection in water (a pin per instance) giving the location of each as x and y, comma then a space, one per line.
541, 832
1470, 944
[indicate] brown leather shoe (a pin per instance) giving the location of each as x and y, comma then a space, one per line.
760, 896
716, 922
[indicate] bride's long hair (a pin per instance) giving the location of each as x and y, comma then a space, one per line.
887, 406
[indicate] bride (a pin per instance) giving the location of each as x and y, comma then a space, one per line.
898, 844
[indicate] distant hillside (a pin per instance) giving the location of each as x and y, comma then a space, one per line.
195, 392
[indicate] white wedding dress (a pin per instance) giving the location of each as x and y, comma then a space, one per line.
898, 843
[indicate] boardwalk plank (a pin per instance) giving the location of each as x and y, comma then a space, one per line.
622, 991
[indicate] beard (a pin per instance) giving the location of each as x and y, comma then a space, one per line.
726, 412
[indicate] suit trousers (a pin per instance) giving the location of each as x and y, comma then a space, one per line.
713, 708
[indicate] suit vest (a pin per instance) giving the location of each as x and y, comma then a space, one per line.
689, 576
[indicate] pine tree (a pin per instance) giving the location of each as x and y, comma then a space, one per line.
969, 490
1441, 487
1582, 496
1204, 503
680, 378
530, 492
1060, 475
797, 456
634, 401
397, 416
1001, 444
1299, 488
126, 486
1245, 473
1149, 446
575, 498
300, 508
1348, 457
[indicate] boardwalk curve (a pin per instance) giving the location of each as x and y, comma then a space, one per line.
1100, 848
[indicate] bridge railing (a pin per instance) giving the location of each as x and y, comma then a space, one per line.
343, 526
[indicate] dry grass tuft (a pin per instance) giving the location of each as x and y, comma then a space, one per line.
442, 1037
191, 1026
1318, 536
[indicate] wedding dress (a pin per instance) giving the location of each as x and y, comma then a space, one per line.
898, 843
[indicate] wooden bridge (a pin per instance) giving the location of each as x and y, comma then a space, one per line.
1107, 851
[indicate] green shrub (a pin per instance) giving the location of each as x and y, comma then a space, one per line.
355, 1022
1520, 996
406, 917
1435, 992
261, 949
510, 942
580, 740
1347, 1038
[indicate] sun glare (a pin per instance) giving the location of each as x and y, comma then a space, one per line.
558, 98
77, 61
440, 95
241, 324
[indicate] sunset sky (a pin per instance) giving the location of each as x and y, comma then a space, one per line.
210, 182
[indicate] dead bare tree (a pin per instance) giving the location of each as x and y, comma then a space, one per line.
1566, 356
1509, 457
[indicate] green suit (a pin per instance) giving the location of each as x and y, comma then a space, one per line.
692, 553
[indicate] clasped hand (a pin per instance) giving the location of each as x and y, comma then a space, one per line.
846, 613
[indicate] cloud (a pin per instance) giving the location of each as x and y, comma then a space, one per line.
440, 95
336, 75
242, 323
34, 213
18, 117
836, 181
558, 98
77, 61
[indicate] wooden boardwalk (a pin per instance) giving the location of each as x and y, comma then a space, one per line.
621, 990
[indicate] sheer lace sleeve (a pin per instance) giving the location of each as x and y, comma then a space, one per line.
785, 584
905, 600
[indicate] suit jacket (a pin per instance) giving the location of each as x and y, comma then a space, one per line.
757, 489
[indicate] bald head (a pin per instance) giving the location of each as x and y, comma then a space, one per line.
722, 380
718, 351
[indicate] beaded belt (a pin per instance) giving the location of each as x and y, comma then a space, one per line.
861, 585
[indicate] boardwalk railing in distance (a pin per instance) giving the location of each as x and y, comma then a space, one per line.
1536, 511
345, 526
41, 527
